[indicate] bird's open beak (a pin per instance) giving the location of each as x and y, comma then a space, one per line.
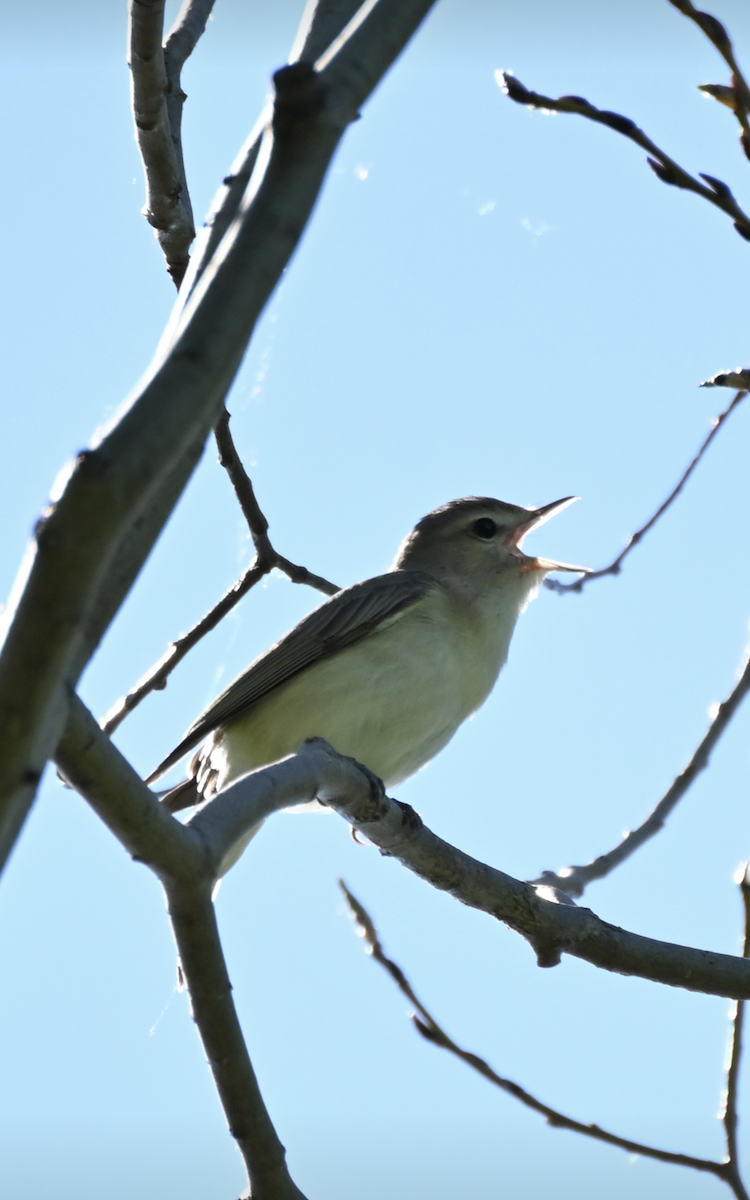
537, 517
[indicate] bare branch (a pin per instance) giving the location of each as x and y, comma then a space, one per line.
167, 206
322, 22
717, 193
716, 33
156, 677
552, 927
184, 36
266, 559
574, 880
100, 530
615, 566
729, 1116
427, 1025
92, 765
181, 857
204, 969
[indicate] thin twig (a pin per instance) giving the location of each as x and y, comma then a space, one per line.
156, 677
717, 192
266, 559
574, 880
257, 523
615, 566
427, 1025
157, 111
716, 33
729, 1116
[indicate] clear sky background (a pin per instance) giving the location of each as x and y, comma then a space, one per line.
487, 301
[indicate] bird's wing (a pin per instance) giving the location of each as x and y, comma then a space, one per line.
346, 618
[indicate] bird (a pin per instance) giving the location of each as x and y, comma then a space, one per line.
386, 670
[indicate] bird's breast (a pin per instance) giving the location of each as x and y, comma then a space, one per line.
391, 701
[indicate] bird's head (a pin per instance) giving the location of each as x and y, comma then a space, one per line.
479, 538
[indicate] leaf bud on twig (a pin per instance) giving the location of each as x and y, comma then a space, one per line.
512, 87
717, 186
663, 172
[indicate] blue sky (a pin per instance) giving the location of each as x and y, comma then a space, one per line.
487, 301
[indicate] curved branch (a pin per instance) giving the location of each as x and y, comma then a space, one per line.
717, 34
574, 880
430, 1029
664, 167
615, 566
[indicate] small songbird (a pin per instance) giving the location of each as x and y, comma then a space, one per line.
388, 669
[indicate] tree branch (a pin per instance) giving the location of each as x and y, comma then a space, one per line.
716, 33
317, 772
157, 111
717, 192
574, 880
267, 556
266, 559
429, 1028
121, 493
322, 22
729, 1116
615, 566
203, 966
182, 858
188, 859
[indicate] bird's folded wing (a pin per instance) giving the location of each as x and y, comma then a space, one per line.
346, 618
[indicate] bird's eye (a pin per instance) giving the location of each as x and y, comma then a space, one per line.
485, 528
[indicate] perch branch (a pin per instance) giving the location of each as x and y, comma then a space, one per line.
194, 854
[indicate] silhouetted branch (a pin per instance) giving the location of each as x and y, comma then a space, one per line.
574, 880
739, 101
266, 559
267, 556
664, 167
729, 1116
427, 1025
615, 566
